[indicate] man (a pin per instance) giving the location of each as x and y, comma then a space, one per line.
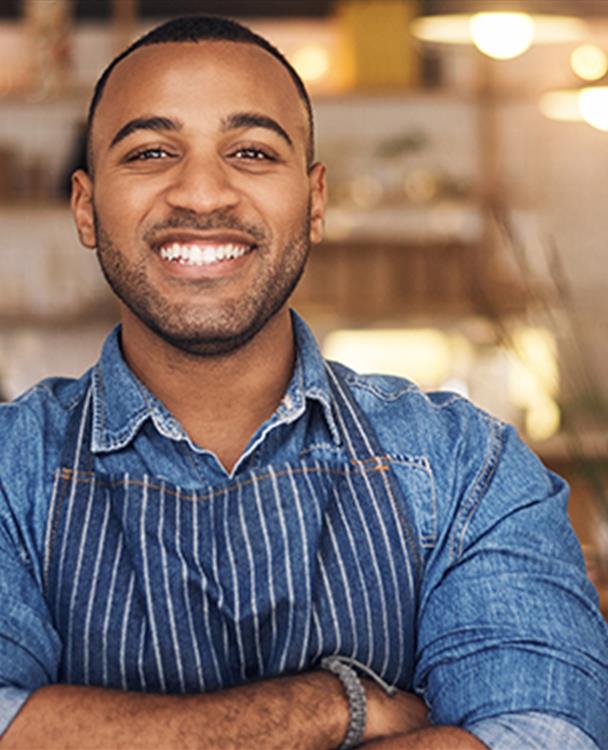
191, 530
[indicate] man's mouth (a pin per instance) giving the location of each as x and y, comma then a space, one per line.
202, 253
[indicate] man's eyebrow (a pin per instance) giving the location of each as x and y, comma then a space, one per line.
254, 120
145, 123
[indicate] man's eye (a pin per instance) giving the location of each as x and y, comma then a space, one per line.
149, 153
255, 154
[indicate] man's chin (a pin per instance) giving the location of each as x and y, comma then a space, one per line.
199, 343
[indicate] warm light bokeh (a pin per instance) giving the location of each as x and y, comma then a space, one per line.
502, 36
589, 62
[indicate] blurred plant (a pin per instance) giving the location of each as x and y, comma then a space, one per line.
403, 144
583, 405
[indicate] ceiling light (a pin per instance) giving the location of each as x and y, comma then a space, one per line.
311, 62
561, 105
593, 104
589, 62
589, 104
501, 35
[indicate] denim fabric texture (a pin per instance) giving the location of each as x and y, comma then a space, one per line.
531, 731
510, 642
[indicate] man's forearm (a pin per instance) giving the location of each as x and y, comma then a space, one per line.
432, 738
306, 711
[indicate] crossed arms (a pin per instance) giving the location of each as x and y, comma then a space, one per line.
301, 712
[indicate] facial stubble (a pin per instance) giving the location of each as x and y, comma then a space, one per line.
186, 326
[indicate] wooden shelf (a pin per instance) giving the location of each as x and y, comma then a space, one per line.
48, 205
378, 280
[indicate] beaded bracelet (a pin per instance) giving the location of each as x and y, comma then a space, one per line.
344, 668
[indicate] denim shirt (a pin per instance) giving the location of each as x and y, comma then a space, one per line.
511, 645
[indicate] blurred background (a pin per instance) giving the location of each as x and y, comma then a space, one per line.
467, 150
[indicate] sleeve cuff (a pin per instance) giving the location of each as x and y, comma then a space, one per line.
530, 730
11, 702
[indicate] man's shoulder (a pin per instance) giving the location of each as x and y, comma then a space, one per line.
33, 428
34, 424
49, 401
400, 411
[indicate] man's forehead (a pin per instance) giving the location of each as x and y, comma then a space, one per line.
186, 72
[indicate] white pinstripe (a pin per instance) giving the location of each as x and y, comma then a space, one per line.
123, 633
375, 565
394, 578
89, 614
235, 587
167, 588
273, 601
313, 494
110, 598
76, 581
218, 580
319, 517
70, 501
320, 638
288, 570
204, 586
332, 604
189, 615
148, 590
345, 586
305, 553
109, 607
49, 527
140, 655
253, 585
366, 603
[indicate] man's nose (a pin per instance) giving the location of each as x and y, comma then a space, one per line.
202, 184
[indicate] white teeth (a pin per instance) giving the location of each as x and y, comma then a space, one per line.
201, 255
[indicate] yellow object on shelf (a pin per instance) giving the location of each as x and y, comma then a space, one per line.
377, 51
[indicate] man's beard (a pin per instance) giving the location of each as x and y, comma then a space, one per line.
231, 324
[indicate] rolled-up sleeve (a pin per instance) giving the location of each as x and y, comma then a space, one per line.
11, 701
509, 623
530, 731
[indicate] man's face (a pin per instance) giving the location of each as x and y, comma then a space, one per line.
202, 208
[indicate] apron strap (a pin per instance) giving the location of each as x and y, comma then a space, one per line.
76, 454
362, 443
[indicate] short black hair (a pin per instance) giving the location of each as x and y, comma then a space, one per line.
195, 29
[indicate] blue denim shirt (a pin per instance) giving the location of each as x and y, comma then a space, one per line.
511, 645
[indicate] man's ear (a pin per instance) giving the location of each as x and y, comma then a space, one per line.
81, 204
318, 202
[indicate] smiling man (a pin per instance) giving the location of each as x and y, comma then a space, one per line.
217, 539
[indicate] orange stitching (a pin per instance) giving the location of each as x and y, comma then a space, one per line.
89, 476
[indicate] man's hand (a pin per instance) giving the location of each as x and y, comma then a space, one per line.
387, 717
401, 723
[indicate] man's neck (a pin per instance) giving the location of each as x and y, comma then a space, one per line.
221, 400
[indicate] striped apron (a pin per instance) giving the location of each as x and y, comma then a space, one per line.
155, 588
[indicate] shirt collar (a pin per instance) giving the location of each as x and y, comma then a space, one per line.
309, 380
122, 403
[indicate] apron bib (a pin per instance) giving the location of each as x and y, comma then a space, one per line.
155, 588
